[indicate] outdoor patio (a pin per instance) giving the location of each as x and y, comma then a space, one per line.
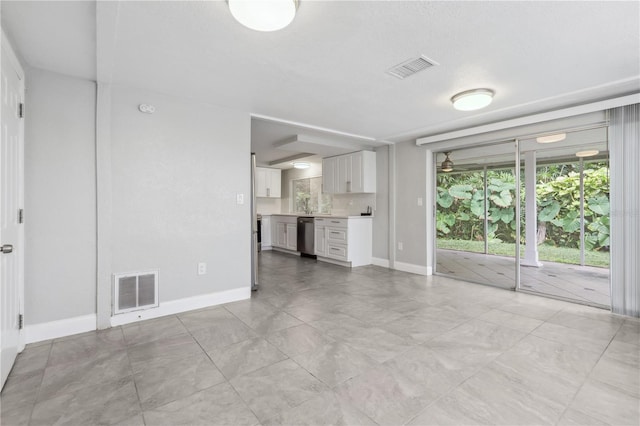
584, 284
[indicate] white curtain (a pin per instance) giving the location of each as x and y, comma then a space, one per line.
624, 147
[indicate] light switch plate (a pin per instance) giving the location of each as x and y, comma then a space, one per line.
240, 198
420, 201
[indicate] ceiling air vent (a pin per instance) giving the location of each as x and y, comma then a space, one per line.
410, 67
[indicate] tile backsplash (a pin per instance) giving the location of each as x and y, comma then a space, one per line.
353, 204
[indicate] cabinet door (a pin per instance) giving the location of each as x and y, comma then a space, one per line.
292, 236
266, 231
343, 175
320, 243
274, 181
357, 183
329, 175
281, 235
261, 182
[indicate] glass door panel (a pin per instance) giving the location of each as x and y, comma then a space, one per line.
566, 226
475, 215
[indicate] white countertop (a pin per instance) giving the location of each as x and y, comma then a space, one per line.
318, 215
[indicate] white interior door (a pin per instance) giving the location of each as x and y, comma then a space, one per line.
11, 201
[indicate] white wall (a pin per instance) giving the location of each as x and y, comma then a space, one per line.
60, 197
175, 176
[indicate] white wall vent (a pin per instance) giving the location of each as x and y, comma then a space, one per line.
135, 291
411, 66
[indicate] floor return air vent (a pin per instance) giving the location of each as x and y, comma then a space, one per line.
135, 291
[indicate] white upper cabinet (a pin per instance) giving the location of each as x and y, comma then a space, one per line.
329, 169
355, 172
268, 182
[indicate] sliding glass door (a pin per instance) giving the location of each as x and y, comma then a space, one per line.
546, 202
476, 209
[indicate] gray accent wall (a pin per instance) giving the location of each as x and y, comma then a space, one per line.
381, 218
60, 197
411, 220
175, 175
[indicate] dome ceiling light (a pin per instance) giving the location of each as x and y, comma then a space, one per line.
472, 100
447, 164
551, 138
263, 15
587, 153
301, 165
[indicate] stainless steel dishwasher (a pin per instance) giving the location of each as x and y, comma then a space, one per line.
306, 236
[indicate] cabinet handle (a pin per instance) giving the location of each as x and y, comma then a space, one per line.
335, 249
348, 186
335, 221
268, 192
335, 233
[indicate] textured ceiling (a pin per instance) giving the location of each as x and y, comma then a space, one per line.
327, 69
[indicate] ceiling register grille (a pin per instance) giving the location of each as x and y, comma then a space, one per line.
411, 67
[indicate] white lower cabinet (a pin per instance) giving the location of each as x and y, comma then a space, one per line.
284, 232
266, 232
320, 244
344, 241
292, 236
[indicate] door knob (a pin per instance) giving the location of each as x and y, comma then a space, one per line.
6, 248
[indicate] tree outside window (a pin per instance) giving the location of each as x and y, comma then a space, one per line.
308, 197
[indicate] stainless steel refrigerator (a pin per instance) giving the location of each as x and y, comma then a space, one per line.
254, 227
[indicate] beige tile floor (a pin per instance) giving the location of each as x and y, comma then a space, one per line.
319, 344
584, 284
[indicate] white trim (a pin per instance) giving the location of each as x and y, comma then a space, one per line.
54, 329
414, 269
309, 126
380, 262
533, 119
182, 305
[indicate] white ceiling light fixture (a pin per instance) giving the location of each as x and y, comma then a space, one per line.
472, 100
587, 153
263, 15
551, 138
301, 165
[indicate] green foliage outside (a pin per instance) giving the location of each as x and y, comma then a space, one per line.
460, 214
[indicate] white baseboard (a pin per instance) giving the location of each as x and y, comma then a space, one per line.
414, 269
380, 262
182, 305
54, 329
67, 327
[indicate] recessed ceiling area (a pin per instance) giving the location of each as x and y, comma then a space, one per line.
278, 144
328, 68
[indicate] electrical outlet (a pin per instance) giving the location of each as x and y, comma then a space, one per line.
420, 201
239, 198
202, 268
400, 246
